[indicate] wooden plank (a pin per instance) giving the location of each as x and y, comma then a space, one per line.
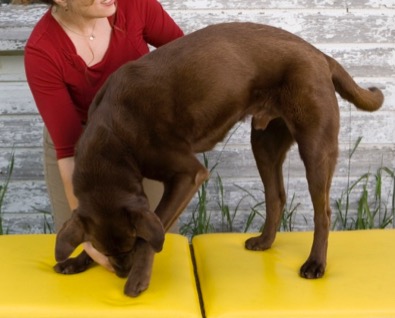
16, 99
26, 131
363, 60
339, 24
21, 131
28, 163
26, 223
14, 16
375, 127
26, 197
297, 197
270, 4
336, 26
12, 68
367, 158
18, 15
295, 187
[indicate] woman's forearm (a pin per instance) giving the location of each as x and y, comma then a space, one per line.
66, 168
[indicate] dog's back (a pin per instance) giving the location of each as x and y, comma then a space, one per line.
180, 89
178, 92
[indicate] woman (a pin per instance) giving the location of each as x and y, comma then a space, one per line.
72, 50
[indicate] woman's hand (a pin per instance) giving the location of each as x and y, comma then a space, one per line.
97, 256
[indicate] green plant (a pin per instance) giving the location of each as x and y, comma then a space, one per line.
386, 216
288, 216
227, 216
374, 214
343, 208
371, 211
3, 189
200, 218
200, 221
258, 204
374, 208
47, 221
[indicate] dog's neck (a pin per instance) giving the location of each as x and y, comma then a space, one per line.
103, 160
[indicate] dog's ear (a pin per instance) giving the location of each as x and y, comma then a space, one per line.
148, 227
69, 237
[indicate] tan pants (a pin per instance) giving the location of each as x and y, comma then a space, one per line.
60, 207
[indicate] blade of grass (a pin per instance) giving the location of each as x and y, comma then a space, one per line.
3, 189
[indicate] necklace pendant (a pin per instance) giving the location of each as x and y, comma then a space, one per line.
92, 37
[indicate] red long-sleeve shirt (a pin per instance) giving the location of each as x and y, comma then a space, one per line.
63, 86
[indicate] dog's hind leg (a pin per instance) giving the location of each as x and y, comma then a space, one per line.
270, 147
318, 147
320, 165
185, 175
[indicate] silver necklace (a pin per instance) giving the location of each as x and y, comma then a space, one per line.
90, 36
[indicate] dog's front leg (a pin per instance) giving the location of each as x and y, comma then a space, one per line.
140, 273
180, 189
74, 265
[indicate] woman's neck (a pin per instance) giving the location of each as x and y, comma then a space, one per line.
75, 23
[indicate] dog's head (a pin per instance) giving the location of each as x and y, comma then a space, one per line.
113, 232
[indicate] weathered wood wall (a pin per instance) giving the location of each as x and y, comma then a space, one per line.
359, 33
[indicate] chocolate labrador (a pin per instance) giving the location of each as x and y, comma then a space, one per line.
153, 115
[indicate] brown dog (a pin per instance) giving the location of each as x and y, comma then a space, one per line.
154, 114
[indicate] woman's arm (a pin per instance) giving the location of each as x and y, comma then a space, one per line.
159, 26
66, 168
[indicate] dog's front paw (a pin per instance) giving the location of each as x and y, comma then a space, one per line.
140, 273
136, 285
312, 269
258, 243
74, 265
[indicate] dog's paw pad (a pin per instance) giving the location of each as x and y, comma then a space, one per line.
312, 270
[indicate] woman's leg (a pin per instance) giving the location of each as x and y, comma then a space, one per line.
60, 207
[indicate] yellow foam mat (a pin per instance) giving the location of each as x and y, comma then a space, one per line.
359, 281
30, 288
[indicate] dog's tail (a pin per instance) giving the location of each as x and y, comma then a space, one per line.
366, 99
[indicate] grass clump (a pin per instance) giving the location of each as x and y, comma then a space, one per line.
372, 210
3, 189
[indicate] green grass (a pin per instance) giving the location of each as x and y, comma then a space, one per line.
200, 222
47, 221
364, 204
3, 190
375, 207
372, 203
47, 226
